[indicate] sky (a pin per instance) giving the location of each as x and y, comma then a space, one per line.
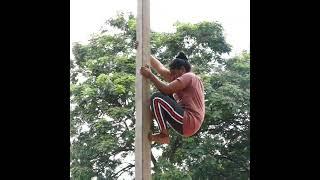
87, 16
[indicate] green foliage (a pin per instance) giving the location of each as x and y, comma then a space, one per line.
170, 172
102, 117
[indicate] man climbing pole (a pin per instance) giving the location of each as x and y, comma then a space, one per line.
185, 113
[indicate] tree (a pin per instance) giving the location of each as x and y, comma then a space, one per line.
102, 117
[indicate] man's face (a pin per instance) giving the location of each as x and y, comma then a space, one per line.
177, 72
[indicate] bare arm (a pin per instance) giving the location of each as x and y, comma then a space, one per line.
169, 89
158, 66
161, 69
174, 86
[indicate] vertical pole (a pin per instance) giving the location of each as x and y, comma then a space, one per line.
142, 144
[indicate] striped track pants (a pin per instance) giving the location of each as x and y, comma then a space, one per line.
167, 112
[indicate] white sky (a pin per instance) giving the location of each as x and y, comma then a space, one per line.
87, 16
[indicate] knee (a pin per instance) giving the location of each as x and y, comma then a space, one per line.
156, 94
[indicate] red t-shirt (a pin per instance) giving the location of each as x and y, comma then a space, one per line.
191, 98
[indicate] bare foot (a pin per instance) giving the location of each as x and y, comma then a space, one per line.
160, 138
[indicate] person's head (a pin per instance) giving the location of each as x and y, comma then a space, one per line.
179, 65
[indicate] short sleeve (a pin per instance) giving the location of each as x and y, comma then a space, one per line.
186, 79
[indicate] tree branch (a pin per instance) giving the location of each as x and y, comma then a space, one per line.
234, 161
176, 144
116, 175
123, 148
124, 121
154, 161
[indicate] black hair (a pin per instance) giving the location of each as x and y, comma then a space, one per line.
180, 61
